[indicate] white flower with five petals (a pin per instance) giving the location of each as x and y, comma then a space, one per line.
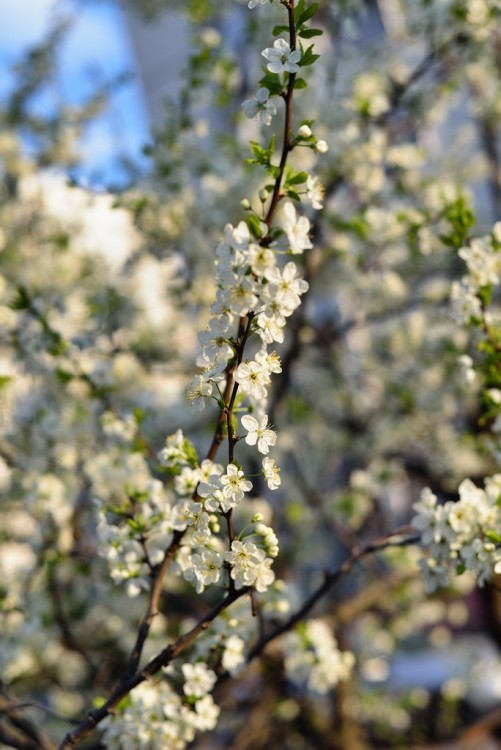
271, 473
296, 228
234, 484
281, 58
260, 107
258, 432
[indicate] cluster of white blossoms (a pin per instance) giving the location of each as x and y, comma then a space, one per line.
462, 535
281, 59
157, 717
250, 283
483, 259
258, 288
313, 658
133, 539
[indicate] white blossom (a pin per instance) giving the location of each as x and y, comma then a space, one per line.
285, 287
281, 58
199, 679
313, 658
234, 485
258, 432
233, 656
315, 192
253, 379
455, 535
260, 107
204, 569
271, 473
296, 228
198, 390
250, 566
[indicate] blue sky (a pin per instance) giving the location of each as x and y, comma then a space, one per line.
97, 48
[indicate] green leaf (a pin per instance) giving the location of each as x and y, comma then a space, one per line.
493, 536
191, 453
260, 153
292, 194
298, 11
306, 14
460, 569
297, 178
63, 376
272, 82
254, 224
300, 83
309, 33
21, 300
308, 57
280, 30
273, 171
271, 147
485, 294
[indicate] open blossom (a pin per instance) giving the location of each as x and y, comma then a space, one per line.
207, 714
281, 58
260, 107
465, 302
271, 473
258, 432
314, 658
198, 390
233, 656
261, 258
174, 452
296, 228
269, 360
285, 286
250, 566
458, 533
315, 192
253, 379
241, 294
204, 570
483, 261
234, 484
199, 679
271, 327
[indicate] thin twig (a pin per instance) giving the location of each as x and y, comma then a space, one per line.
330, 579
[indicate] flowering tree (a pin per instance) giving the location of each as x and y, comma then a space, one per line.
162, 577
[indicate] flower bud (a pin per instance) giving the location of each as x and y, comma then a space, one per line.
245, 203
257, 517
321, 147
304, 131
262, 195
261, 529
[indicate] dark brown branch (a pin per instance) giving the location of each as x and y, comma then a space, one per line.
127, 684
286, 145
153, 606
10, 738
9, 707
330, 579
